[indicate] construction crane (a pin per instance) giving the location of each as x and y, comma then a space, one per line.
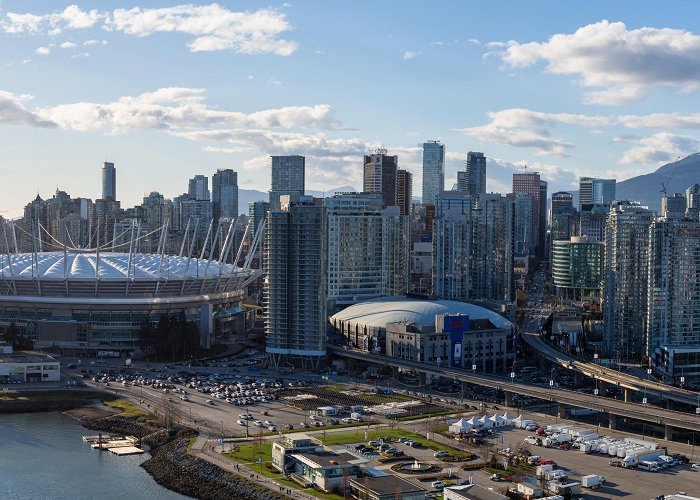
664, 187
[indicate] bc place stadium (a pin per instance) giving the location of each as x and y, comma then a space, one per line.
94, 302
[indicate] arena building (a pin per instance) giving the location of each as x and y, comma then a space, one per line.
443, 332
78, 301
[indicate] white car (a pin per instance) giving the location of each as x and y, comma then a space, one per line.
695, 466
531, 427
258, 423
438, 485
441, 454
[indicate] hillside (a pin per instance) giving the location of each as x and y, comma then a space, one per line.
677, 176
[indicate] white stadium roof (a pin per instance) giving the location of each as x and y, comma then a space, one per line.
378, 312
111, 266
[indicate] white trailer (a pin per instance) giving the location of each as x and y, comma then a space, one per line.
592, 481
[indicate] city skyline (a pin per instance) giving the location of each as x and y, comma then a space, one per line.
173, 90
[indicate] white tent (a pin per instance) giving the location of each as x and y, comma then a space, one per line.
485, 422
460, 426
474, 422
498, 421
518, 421
509, 418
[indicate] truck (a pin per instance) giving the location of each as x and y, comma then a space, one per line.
556, 475
634, 458
557, 439
533, 440
648, 465
592, 481
357, 417
650, 445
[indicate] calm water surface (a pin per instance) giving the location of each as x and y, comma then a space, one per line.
43, 456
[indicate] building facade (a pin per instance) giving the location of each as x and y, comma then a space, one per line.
452, 242
596, 191
404, 191
433, 171
109, 181
577, 266
224, 186
475, 173
287, 177
380, 175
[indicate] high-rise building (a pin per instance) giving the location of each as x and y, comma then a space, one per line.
491, 260
379, 175
562, 216
368, 249
288, 173
198, 188
625, 279
404, 191
674, 206
433, 171
475, 173
673, 293
530, 183
592, 221
109, 181
295, 281
561, 200
224, 195
452, 241
577, 267
692, 198
596, 191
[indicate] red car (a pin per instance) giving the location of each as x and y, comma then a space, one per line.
565, 446
545, 461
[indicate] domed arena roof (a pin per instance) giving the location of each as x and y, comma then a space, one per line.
378, 312
110, 266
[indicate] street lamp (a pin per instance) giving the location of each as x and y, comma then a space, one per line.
512, 374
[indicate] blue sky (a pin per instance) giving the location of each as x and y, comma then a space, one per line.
167, 90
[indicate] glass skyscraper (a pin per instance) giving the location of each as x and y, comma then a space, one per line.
433, 171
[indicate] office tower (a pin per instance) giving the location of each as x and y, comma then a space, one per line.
368, 249
198, 188
692, 199
295, 282
561, 200
673, 293
491, 261
523, 244
379, 175
577, 267
197, 212
404, 191
433, 171
625, 279
156, 210
674, 206
287, 178
530, 183
109, 181
596, 191
475, 173
452, 238
224, 194
257, 212
592, 221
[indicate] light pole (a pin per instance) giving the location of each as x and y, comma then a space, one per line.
551, 385
222, 436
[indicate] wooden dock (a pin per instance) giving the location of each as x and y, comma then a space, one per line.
126, 450
119, 445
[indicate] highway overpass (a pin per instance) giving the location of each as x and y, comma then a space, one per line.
615, 408
606, 374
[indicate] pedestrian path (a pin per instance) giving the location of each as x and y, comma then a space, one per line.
206, 449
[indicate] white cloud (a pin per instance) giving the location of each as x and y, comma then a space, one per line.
68, 45
521, 127
658, 148
95, 42
212, 26
274, 82
250, 77
624, 63
411, 54
14, 111
176, 108
72, 17
42, 51
80, 55
662, 121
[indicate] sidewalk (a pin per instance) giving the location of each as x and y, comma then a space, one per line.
206, 449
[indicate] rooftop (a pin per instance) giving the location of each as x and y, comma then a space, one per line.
26, 357
385, 485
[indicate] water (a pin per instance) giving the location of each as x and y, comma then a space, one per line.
43, 456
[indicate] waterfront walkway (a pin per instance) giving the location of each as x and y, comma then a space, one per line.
206, 449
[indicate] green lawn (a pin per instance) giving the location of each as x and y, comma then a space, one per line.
246, 454
358, 436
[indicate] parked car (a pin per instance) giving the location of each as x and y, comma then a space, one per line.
374, 444
438, 485
289, 427
531, 427
615, 463
441, 454
495, 477
347, 420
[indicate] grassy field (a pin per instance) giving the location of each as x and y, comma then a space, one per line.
358, 436
130, 410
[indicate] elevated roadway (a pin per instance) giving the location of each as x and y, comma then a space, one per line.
608, 375
616, 408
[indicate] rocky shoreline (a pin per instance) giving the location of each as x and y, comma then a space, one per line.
169, 464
